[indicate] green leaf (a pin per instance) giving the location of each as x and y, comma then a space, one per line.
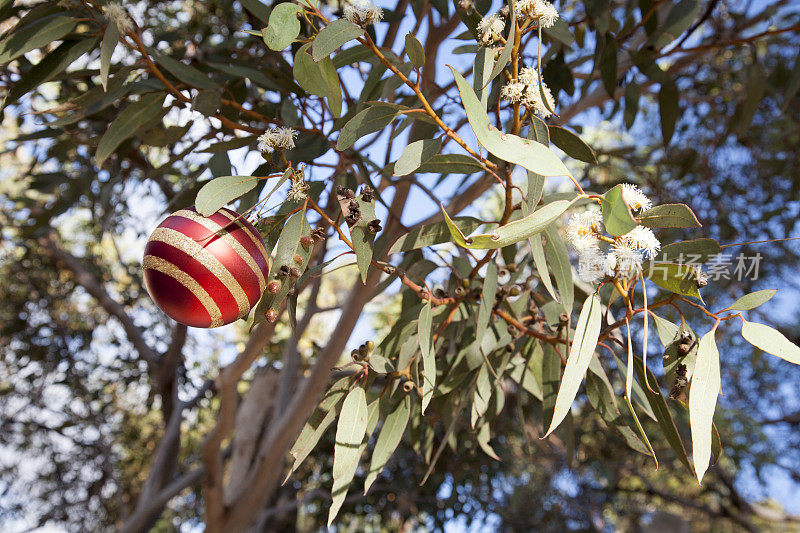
678, 20
703, 394
560, 32
663, 416
754, 94
668, 107
333, 36
388, 439
539, 131
587, 331
257, 8
287, 252
350, 431
508, 48
283, 27
185, 73
318, 78
669, 216
529, 154
126, 124
450, 164
558, 259
572, 145
415, 154
540, 261
551, 379
487, 303
220, 191
35, 35
322, 417
414, 50
50, 66
483, 63
208, 103
428, 354
675, 277
696, 251
431, 234
363, 238
367, 121
608, 64
110, 40
481, 396
632, 93
752, 300
511, 233
666, 330
770, 340
617, 215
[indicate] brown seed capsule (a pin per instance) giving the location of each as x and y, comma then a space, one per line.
298, 259
294, 272
339, 190
352, 218
513, 330
307, 241
284, 270
374, 226
355, 355
271, 316
408, 386
439, 293
563, 318
363, 351
514, 291
274, 286
348, 193
370, 346
459, 292
354, 205
366, 194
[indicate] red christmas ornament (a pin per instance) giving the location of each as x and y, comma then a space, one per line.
202, 275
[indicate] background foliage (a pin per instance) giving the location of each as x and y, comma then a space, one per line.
115, 417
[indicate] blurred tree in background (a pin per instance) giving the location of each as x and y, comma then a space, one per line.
115, 417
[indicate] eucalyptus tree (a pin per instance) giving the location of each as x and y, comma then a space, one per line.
374, 128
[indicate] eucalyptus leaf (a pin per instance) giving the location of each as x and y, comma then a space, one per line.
283, 27
703, 393
752, 300
511, 233
669, 216
587, 331
350, 431
435, 233
332, 36
428, 355
415, 154
391, 433
770, 340
529, 154
221, 191
414, 51
617, 215
127, 123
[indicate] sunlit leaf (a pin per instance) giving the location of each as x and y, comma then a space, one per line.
770, 340
350, 431
221, 191
703, 393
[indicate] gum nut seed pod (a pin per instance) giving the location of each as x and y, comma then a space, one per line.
298, 259
370, 346
465, 283
363, 351
349, 194
283, 270
271, 316
306, 241
274, 286
514, 291
563, 318
353, 205
294, 272
459, 292
512, 330
408, 386
339, 190
355, 354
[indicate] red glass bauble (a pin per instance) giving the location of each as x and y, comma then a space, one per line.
205, 271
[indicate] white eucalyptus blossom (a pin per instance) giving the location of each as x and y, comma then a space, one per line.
363, 13
545, 12
529, 76
513, 91
643, 239
635, 198
583, 230
276, 138
591, 265
536, 96
623, 259
491, 28
298, 191
117, 15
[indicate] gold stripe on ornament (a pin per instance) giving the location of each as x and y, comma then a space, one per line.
165, 267
189, 246
256, 240
229, 239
